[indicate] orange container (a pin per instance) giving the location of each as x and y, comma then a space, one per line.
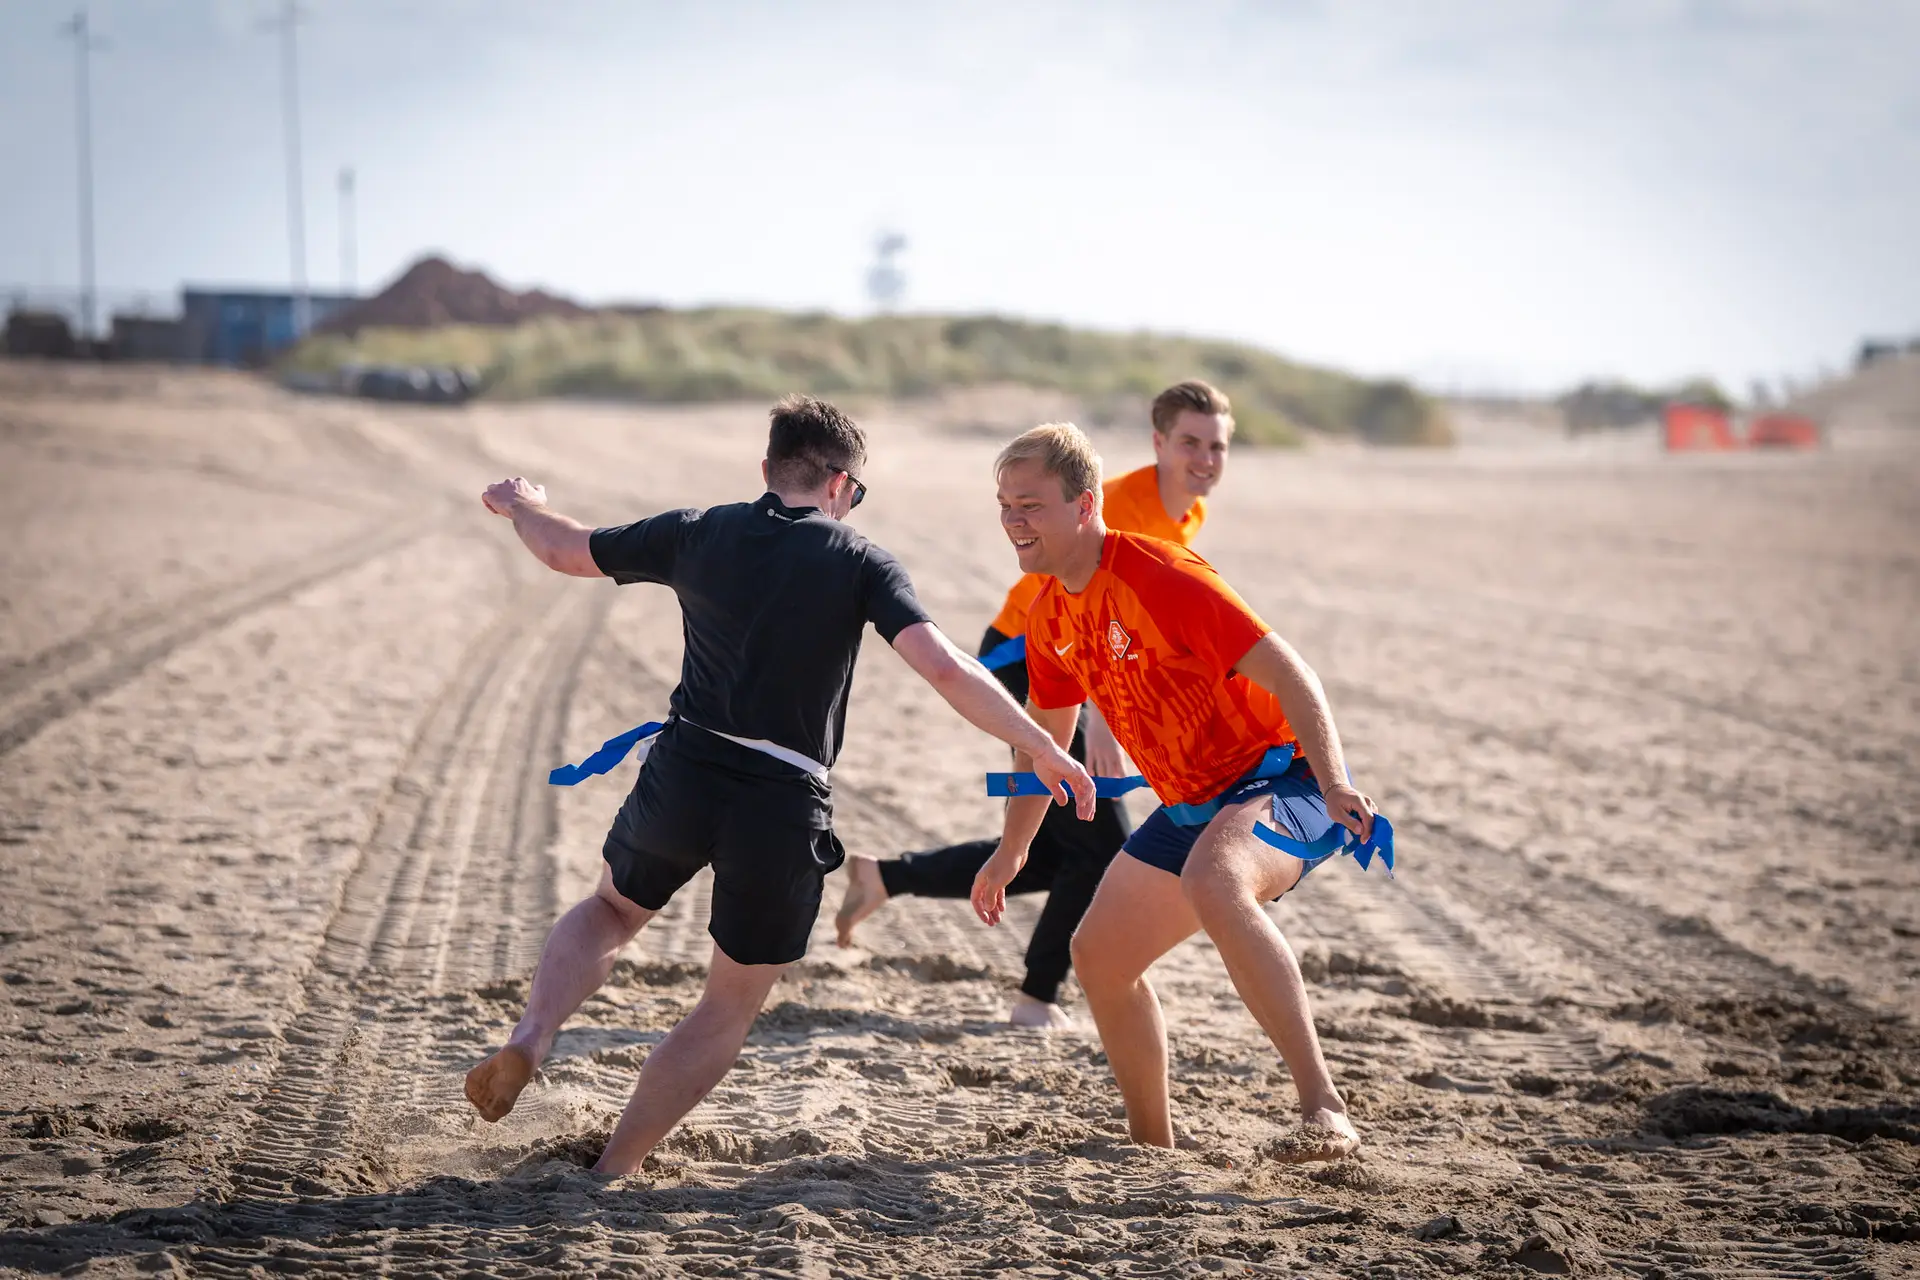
1691, 427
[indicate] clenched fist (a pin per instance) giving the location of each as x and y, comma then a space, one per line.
504, 497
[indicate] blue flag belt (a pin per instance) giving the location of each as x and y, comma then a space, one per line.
1005, 654
1336, 840
1276, 762
610, 754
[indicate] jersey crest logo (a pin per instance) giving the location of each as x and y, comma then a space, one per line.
1117, 639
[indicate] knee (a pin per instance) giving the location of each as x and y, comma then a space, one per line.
735, 993
630, 913
725, 1014
1100, 960
1215, 886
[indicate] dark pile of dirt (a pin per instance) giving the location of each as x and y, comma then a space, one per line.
434, 292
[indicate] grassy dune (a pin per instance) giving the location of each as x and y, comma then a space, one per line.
726, 353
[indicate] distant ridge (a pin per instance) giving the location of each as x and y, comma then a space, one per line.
535, 344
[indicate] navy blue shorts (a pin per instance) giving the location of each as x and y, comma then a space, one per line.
1298, 809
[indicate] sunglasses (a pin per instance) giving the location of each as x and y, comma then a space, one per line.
859, 490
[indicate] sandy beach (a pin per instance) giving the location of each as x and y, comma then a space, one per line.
278, 700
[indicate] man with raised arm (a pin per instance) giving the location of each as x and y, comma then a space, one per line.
775, 595
1192, 432
1227, 723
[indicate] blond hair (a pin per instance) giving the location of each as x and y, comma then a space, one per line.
1192, 396
1063, 451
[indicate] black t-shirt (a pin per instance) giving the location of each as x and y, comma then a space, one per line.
773, 601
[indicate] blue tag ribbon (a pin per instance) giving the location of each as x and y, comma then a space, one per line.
1337, 839
610, 754
1029, 784
1275, 763
1005, 654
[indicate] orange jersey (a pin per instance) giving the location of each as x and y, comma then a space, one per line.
1153, 640
1011, 621
1129, 504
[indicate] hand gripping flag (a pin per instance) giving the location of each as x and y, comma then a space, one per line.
1336, 839
1029, 784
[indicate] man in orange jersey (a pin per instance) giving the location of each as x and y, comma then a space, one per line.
1227, 723
1192, 430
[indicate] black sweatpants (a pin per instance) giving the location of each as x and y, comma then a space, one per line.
1066, 860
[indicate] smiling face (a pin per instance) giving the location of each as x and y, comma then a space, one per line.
1045, 526
1192, 452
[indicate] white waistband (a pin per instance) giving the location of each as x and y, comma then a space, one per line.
806, 764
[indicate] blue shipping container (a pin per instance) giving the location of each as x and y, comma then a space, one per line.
246, 326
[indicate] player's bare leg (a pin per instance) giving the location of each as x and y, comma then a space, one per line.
1137, 916
686, 1065
576, 960
1228, 877
866, 893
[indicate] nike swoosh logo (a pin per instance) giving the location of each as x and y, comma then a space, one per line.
1061, 651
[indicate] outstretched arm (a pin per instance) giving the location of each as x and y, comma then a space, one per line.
557, 541
1022, 823
1277, 667
972, 691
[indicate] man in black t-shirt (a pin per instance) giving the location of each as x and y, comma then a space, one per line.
774, 597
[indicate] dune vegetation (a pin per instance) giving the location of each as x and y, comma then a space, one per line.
667, 355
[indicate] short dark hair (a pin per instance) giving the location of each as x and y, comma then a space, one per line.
809, 442
1190, 396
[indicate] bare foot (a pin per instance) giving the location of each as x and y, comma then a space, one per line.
1029, 1012
494, 1086
866, 894
1324, 1135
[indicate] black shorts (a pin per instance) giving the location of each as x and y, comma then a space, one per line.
765, 827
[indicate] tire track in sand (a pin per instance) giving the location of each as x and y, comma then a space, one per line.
451, 881
60, 681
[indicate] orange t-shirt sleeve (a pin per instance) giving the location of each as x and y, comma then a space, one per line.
1204, 615
1012, 618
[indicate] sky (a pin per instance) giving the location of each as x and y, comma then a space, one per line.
1497, 195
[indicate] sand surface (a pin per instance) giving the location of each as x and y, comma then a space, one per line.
277, 701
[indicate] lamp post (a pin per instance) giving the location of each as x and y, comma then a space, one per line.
77, 30
288, 25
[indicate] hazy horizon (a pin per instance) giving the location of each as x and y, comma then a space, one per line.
1503, 196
